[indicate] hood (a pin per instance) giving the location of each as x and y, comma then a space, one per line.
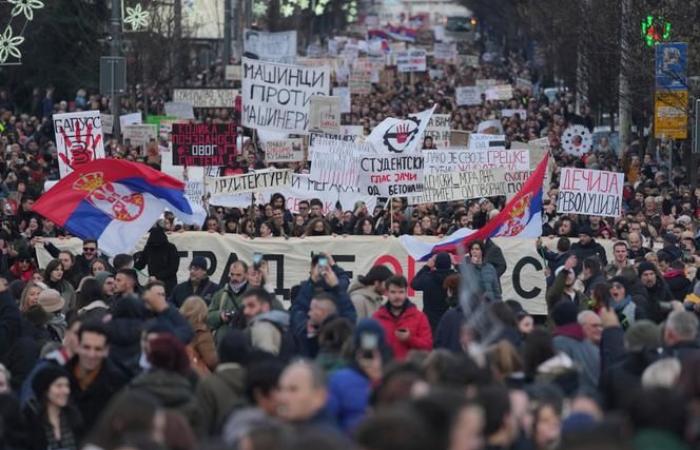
97, 304
570, 330
233, 375
157, 238
367, 292
275, 316
172, 389
356, 286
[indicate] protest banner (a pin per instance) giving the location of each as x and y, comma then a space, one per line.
79, 139
280, 47
468, 95
401, 135
590, 192
512, 112
414, 60
179, 110
486, 83
360, 81
391, 175
140, 135
345, 98
129, 119
201, 144
283, 151
439, 130
501, 92
313, 137
492, 126
446, 187
303, 188
336, 161
469, 60
277, 96
206, 98
484, 141
357, 131
232, 72
460, 160
324, 114
444, 51
248, 182
107, 123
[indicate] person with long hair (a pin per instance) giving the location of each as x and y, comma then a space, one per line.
202, 350
488, 280
89, 301
53, 277
56, 424
30, 295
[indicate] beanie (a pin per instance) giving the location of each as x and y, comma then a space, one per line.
45, 377
564, 313
645, 266
620, 279
443, 261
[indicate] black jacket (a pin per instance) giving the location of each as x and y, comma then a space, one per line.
659, 298
434, 296
161, 258
591, 249
206, 290
93, 400
494, 256
449, 329
9, 322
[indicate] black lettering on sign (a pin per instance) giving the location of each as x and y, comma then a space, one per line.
345, 259
517, 270
208, 255
278, 259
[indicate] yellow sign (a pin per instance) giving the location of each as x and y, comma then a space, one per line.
671, 115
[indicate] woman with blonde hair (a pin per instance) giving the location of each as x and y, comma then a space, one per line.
30, 295
202, 350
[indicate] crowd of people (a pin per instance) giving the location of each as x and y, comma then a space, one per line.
92, 359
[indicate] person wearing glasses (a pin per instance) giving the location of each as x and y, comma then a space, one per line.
84, 261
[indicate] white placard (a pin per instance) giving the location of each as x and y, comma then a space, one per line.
502, 92
345, 98
129, 119
460, 160
180, 110
140, 135
444, 51
107, 123
468, 95
512, 112
484, 141
391, 175
590, 192
414, 60
336, 161
248, 182
324, 114
278, 47
232, 72
206, 98
277, 96
446, 187
79, 139
283, 151
439, 130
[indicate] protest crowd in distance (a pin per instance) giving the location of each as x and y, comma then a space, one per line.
380, 247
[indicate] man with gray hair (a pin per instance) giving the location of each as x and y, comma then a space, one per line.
681, 335
592, 326
302, 395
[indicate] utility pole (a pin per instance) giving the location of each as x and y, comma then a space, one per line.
115, 47
177, 42
625, 106
582, 62
227, 32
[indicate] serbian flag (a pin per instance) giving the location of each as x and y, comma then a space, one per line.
521, 217
116, 202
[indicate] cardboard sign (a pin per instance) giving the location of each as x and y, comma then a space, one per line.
232, 72
391, 175
179, 110
278, 47
283, 151
201, 144
249, 182
107, 123
444, 51
206, 98
129, 119
512, 112
446, 187
414, 60
468, 95
360, 81
590, 192
277, 96
79, 139
345, 98
335, 161
140, 135
439, 130
324, 114
459, 160
503, 92
485, 141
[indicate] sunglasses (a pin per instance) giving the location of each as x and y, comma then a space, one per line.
89, 249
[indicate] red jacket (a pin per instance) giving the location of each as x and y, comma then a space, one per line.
414, 321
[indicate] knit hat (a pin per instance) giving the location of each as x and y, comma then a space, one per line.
585, 229
51, 300
199, 262
642, 334
234, 347
620, 279
564, 313
645, 266
45, 377
443, 261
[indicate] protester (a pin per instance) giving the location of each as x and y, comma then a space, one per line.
202, 350
199, 284
430, 280
367, 292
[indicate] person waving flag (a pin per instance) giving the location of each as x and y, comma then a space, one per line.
116, 202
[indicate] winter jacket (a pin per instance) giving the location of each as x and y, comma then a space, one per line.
365, 300
18, 274
677, 283
591, 283
555, 293
174, 391
94, 399
571, 340
489, 282
203, 347
628, 312
206, 289
449, 330
430, 283
67, 292
349, 390
494, 255
584, 251
161, 258
10, 322
267, 330
659, 299
414, 321
554, 261
683, 350
224, 300
219, 394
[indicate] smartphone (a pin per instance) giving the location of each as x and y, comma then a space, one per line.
323, 262
257, 260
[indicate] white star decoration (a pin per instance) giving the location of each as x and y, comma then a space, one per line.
9, 45
136, 17
25, 7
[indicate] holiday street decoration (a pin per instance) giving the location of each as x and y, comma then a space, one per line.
577, 140
655, 29
136, 17
12, 34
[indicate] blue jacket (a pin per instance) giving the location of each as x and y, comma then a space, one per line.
348, 397
449, 329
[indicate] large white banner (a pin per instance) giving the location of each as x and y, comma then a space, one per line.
446, 187
277, 96
459, 160
248, 182
79, 139
289, 260
275, 47
590, 192
283, 150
